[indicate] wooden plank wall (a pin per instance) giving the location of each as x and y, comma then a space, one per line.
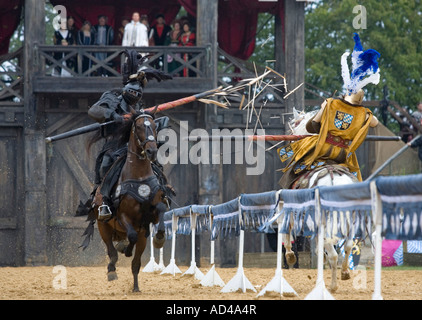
11, 197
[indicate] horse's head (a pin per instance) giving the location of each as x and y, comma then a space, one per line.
300, 119
144, 134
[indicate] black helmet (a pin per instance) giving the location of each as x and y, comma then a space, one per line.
132, 93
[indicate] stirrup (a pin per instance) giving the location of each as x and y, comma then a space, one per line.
104, 212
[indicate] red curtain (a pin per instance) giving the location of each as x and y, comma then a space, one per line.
10, 14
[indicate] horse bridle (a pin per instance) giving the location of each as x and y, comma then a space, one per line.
149, 133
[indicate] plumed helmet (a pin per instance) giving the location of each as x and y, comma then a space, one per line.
132, 93
365, 68
134, 71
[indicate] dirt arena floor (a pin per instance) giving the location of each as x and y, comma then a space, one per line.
90, 283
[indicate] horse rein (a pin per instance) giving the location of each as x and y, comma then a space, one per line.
149, 133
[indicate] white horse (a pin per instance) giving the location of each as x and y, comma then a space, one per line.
298, 127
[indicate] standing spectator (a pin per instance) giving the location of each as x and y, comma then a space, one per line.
71, 27
173, 40
104, 36
187, 39
173, 37
121, 31
136, 33
418, 114
144, 21
63, 37
86, 37
160, 30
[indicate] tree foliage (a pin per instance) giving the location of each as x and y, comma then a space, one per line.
393, 29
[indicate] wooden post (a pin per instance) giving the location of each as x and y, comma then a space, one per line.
35, 150
294, 44
206, 33
209, 184
279, 45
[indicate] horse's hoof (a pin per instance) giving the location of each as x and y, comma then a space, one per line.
345, 275
136, 290
159, 240
128, 253
291, 259
112, 275
333, 288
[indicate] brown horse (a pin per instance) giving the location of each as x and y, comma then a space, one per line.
142, 199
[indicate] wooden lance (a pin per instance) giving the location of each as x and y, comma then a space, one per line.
156, 109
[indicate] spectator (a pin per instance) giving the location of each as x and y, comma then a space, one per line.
86, 37
104, 36
160, 30
121, 31
71, 27
63, 37
417, 142
144, 21
173, 40
136, 33
187, 39
418, 114
173, 37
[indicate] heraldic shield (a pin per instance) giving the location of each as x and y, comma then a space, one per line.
343, 120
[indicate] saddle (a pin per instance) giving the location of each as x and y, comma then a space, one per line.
303, 182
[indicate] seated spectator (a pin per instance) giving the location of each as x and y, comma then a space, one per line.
187, 39
63, 37
104, 36
136, 33
160, 30
86, 37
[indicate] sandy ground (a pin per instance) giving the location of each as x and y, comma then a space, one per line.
90, 283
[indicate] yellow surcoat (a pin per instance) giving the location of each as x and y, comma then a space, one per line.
340, 121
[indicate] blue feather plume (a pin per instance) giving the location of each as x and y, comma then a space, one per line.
364, 67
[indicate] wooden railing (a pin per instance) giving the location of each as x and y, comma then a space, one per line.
11, 78
98, 61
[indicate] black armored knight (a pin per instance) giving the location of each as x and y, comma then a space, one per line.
117, 106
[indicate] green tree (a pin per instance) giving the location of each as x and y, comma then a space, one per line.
16, 41
393, 29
